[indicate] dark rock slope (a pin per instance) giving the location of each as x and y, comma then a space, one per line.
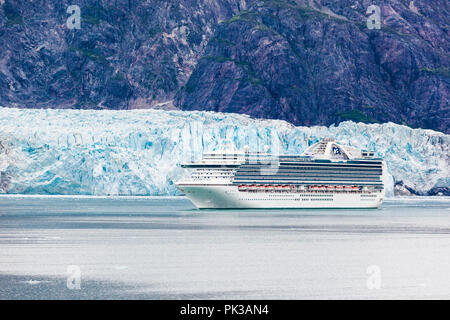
316, 62
308, 61
127, 54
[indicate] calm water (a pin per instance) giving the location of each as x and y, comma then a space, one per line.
162, 248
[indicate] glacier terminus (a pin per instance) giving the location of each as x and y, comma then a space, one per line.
139, 152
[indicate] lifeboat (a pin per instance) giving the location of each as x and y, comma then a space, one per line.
314, 187
242, 187
347, 187
330, 187
355, 188
269, 187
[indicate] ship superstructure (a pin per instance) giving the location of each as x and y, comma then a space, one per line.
326, 175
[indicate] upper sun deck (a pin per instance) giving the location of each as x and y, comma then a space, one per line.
327, 150
228, 157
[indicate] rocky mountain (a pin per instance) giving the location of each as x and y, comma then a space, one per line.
310, 62
126, 54
316, 62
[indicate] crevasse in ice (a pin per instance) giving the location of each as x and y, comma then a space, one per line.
138, 152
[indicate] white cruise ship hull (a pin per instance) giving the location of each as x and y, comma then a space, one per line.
229, 197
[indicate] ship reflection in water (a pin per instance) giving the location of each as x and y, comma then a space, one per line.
163, 248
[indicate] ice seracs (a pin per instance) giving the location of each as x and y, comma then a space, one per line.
139, 152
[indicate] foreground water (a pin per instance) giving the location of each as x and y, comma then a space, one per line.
163, 248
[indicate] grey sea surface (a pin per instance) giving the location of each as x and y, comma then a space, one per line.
164, 248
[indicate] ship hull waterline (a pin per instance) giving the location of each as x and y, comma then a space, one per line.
229, 197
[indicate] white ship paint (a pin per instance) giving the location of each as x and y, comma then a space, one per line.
326, 175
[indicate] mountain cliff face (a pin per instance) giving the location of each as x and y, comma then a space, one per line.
317, 62
126, 54
310, 62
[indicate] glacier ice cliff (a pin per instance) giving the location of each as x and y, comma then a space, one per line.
138, 152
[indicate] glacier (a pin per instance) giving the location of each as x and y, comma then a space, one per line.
138, 152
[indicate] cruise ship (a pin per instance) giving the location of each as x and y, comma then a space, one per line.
326, 175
